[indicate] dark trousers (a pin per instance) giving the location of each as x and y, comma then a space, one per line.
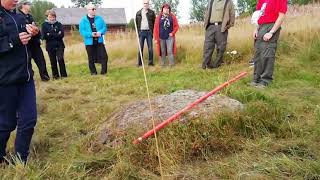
265, 53
97, 54
56, 56
146, 35
38, 57
214, 38
17, 110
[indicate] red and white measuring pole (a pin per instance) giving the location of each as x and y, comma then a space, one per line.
191, 105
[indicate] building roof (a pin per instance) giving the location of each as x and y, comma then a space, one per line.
72, 16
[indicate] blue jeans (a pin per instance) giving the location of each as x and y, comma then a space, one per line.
146, 35
17, 110
166, 46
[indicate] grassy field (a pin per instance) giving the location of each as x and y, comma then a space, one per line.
277, 135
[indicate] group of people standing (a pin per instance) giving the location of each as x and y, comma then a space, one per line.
92, 28
162, 29
52, 32
220, 16
20, 41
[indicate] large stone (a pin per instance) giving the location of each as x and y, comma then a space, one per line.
138, 114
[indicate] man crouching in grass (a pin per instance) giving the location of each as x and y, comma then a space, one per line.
17, 90
271, 16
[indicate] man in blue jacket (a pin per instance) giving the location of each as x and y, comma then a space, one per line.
17, 89
93, 28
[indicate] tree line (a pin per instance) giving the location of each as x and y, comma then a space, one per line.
197, 11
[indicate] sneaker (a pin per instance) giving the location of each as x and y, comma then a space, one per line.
251, 63
210, 67
207, 67
253, 84
261, 85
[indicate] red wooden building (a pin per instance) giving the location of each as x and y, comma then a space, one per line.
115, 18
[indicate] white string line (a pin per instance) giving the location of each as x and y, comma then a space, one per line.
148, 92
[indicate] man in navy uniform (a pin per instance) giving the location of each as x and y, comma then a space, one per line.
17, 90
24, 7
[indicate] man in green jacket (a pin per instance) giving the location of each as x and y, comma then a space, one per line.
220, 16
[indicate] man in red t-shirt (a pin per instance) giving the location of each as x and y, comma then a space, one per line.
266, 36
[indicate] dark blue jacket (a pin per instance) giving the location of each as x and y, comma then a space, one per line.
53, 34
15, 64
35, 40
166, 29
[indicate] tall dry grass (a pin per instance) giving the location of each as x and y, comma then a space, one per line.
301, 25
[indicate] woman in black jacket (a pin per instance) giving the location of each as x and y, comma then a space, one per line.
18, 107
52, 32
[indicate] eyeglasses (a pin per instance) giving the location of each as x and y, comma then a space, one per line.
146, 3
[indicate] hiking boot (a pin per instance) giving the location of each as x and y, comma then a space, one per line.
3, 163
45, 78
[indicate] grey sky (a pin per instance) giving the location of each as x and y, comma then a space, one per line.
131, 6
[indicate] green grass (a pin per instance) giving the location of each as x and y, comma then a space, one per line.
276, 135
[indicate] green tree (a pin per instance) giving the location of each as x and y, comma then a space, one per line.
39, 9
302, 2
83, 3
246, 6
249, 6
131, 24
157, 4
198, 9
